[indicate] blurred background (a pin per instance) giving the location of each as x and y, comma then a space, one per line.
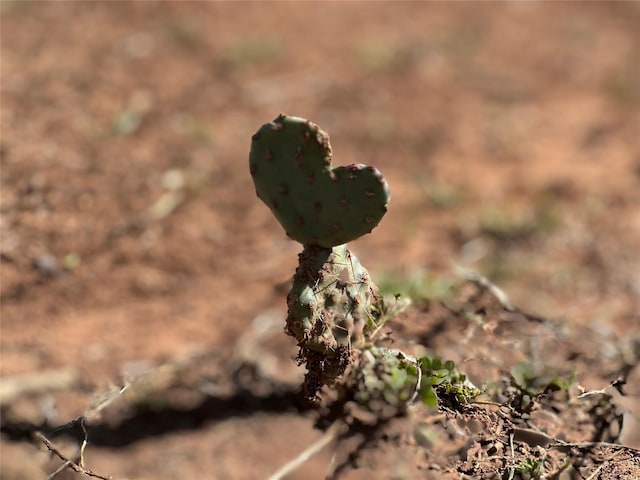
130, 229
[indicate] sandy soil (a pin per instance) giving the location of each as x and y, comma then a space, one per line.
135, 253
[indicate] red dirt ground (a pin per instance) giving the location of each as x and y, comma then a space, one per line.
134, 250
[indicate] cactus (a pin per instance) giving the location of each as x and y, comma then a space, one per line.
326, 301
290, 161
334, 308
333, 304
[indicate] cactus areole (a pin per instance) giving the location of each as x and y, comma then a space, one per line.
290, 162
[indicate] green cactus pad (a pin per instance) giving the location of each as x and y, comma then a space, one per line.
290, 162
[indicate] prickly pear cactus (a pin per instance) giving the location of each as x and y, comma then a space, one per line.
290, 162
333, 304
332, 300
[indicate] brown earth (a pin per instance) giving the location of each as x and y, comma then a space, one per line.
135, 253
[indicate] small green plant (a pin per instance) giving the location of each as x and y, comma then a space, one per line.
126, 123
513, 224
441, 195
420, 285
380, 57
441, 380
254, 51
529, 382
531, 468
334, 308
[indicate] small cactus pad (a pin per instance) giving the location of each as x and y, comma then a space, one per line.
290, 162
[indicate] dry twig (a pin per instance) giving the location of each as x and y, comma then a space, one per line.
68, 463
314, 448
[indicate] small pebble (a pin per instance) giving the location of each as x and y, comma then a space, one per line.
46, 264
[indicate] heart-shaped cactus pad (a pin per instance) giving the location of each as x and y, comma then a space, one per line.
290, 162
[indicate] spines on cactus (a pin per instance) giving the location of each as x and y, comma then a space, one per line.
333, 304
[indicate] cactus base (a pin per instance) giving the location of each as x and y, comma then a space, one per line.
333, 305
